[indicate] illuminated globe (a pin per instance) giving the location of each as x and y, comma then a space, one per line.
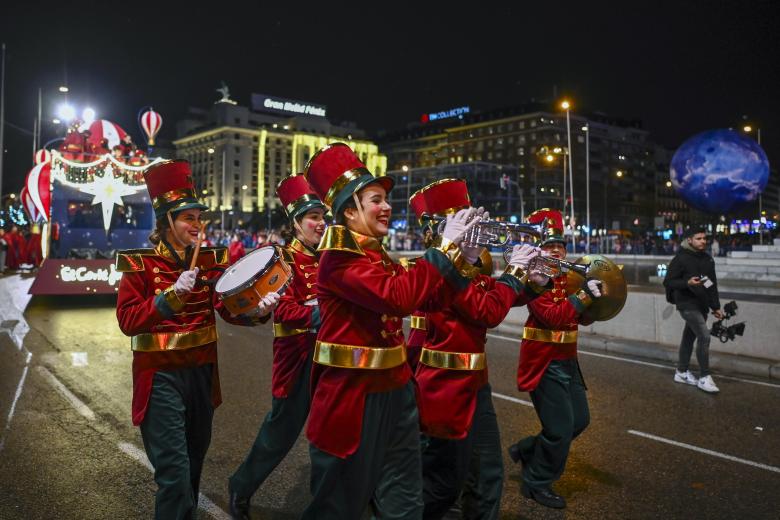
719, 170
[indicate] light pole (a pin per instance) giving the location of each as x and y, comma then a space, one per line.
748, 129
405, 169
566, 106
586, 129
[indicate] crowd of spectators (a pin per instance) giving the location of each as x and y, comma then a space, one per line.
19, 248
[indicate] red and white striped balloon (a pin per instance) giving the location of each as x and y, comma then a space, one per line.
151, 122
104, 129
29, 205
42, 156
38, 190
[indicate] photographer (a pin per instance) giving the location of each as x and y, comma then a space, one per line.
692, 286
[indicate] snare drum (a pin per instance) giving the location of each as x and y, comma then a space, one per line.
244, 283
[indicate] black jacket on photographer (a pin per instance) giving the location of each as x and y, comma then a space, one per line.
689, 263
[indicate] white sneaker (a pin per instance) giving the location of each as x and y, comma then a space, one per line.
708, 385
685, 377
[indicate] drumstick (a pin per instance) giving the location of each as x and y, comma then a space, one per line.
201, 237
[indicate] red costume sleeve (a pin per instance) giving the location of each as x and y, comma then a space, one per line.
485, 305
136, 312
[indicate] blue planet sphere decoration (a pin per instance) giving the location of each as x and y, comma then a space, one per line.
719, 170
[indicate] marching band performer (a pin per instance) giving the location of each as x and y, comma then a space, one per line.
168, 309
418, 328
454, 395
296, 321
363, 424
549, 370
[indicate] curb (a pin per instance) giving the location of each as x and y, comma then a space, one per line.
722, 363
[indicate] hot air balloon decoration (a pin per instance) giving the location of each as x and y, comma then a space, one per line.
38, 191
42, 156
151, 122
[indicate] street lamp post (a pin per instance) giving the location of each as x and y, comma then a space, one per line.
566, 106
586, 129
748, 129
405, 169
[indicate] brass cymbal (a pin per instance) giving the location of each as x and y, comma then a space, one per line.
614, 290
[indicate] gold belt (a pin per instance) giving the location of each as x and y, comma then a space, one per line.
158, 341
282, 331
353, 356
453, 360
419, 322
550, 336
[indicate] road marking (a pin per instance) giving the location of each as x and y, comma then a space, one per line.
13, 405
645, 363
74, 401
513, 399
79, 359
204, 502
705, 451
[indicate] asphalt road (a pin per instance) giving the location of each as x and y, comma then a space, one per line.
654, 449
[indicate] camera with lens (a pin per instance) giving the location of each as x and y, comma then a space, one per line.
726, 332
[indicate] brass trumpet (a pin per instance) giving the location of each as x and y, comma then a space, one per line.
493, 233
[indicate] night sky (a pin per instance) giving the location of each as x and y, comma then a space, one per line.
681, 67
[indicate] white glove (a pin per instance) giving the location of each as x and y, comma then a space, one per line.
522, 254
471, 254
268, 303
312, 303
186, 282
539, 279
458, 225
594, 288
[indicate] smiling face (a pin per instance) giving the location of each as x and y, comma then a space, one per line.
555, 250
186, 225
312, 226
376, 209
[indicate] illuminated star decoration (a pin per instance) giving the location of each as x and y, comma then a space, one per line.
108, 191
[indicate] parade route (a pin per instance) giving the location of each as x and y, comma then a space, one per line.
654, 449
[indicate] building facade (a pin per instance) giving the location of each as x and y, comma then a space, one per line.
239, 154
531, 141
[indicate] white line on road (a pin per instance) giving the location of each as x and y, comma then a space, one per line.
513, 399
705, 451
13, 405
74, 401
645, 363
204, 502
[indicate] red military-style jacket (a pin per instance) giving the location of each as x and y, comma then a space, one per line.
453, 367
363, 296
550, 332
296, 320
417, 329
169, 332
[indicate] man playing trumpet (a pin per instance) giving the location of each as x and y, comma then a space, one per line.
549, 371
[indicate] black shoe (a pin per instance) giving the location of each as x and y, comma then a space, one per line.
544, 496
516, 454
238, 506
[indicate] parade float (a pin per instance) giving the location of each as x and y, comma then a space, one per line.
88, 198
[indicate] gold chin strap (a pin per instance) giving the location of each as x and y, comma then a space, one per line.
173, 231
360, 211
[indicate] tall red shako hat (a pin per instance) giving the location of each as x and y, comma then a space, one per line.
297, 196
446, 197
170, 187
336, 172
553, 221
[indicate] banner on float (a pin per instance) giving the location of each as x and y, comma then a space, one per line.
75, 276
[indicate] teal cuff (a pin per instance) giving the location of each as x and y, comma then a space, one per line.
162, 306
445, 267
578, 305
315, 318
512, 281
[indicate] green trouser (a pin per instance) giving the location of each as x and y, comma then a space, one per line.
562, 407
276, 437
176, 431
473, 465
385, 470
